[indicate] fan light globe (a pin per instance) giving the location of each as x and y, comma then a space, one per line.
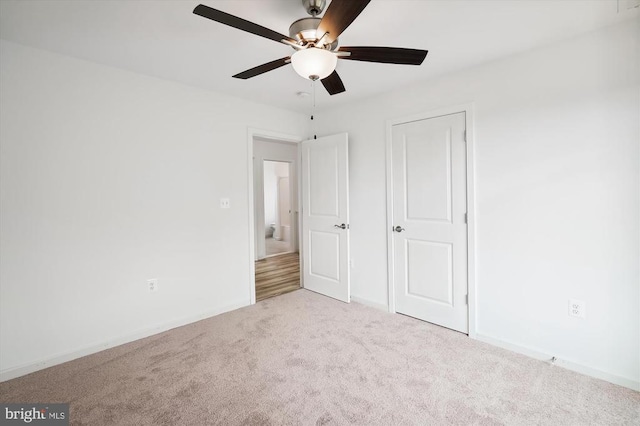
314, 63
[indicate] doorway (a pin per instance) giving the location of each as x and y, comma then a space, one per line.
275, 236
326, 182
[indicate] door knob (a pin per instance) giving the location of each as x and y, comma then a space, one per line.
343, 226
398, 228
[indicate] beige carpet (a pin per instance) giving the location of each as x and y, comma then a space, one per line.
302, 358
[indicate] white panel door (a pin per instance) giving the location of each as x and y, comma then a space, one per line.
325, 216
429, 220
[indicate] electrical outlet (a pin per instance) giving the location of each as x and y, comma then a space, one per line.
225, 203
577, 308
152, 284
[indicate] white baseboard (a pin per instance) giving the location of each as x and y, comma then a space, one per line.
369, 303
568, 364
12, 373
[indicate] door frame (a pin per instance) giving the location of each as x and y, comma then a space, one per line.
276, 137
471, 205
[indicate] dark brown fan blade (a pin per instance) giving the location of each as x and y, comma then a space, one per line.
239, 23
261, 69
339, 15
387, 55
333, 84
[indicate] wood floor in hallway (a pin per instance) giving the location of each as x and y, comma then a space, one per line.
277, 275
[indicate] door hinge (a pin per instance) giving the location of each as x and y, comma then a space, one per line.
466, 218
465, 135
466, 299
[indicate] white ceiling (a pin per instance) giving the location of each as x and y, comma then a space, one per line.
166, 40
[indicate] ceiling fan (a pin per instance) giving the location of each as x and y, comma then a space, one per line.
315, 41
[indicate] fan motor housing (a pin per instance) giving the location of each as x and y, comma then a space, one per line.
304, 31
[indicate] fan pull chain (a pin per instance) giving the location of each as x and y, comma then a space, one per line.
313, 107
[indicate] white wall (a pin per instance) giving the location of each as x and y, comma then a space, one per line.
272, 171
557, 191
270, 192
109, 178
284, 205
